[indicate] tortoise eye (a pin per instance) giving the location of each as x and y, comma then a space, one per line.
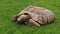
16, 16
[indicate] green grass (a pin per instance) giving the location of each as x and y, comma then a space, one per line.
8, 8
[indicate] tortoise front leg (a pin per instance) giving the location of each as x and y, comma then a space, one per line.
32, 22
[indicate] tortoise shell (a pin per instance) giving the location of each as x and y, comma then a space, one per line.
39, 14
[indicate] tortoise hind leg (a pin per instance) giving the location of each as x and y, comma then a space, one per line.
32, 22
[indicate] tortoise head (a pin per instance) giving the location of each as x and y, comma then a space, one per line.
23, 18
15, 18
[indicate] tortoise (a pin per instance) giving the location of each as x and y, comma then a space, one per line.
35, 16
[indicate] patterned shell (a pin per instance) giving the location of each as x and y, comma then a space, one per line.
39, 14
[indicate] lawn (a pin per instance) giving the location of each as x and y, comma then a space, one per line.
8, 8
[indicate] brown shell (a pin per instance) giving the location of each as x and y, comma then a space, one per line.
39, 14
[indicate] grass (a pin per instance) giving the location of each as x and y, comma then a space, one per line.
8, 8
